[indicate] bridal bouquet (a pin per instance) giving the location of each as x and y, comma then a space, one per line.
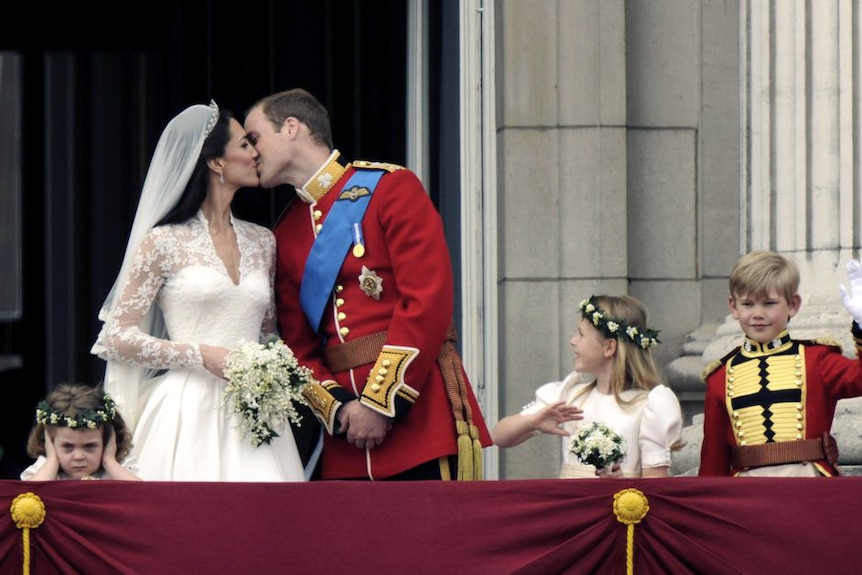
597, 444
265, 382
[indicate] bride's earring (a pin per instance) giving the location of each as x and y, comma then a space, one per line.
221, 178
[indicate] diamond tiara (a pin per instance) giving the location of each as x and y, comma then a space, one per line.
213, 118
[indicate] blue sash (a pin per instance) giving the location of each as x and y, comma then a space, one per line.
330, 248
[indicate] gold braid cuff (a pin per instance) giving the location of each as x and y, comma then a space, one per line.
386, 380
323, 402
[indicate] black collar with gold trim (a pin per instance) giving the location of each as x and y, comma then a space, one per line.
754, 348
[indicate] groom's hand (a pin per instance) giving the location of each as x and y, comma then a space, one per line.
365, 428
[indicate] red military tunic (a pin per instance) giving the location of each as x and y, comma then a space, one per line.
784, 390
400, 283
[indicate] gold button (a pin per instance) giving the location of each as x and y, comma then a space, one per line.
375, 387
339, 288
735, 414
799, 426
382, 371
317, 215
344, 330
379, 378
729, 394
317, 228
799, 416
743, 443
730, 370
740, 434
339, 302
342, 316
386, 363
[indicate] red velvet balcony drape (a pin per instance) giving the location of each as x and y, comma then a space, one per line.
692, 525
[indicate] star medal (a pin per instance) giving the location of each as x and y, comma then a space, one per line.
358, 241
371, 283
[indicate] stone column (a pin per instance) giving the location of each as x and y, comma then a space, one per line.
799, 165
799, 195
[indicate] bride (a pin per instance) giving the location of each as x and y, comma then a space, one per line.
195, 283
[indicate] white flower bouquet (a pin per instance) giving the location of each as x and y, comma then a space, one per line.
598, 445
265, 382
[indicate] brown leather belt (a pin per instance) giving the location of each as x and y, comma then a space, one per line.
355, 352
786, 452
364, 350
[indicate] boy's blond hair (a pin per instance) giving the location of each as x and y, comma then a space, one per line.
759, 272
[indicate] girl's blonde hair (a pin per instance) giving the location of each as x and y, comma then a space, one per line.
73, 400
633, 365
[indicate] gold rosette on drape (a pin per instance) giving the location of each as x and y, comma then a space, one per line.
630, 506
28, 512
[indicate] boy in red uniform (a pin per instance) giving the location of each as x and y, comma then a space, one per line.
770, 402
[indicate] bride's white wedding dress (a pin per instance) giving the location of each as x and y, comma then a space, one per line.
183, 431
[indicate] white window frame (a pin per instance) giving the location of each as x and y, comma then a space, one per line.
478, 257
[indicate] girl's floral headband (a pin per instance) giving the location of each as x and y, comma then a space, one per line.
90, 419
612, 327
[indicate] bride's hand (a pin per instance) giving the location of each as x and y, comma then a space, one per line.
213, 358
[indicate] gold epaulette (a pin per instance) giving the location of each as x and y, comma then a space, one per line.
715, 364
366, 165
827, 341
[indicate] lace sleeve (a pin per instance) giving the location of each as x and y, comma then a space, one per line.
123, 339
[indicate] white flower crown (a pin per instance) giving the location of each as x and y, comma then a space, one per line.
612, 327
90, 419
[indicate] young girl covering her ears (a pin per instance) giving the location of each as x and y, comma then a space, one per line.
79, 434
615, 382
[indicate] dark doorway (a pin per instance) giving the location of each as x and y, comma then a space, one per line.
96, 91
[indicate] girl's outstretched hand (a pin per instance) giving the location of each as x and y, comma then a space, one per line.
549, 419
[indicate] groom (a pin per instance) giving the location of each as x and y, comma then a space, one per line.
365, 297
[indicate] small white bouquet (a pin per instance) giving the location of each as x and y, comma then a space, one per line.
264, 383
598, 445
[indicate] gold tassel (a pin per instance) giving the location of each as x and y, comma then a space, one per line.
469, 444
465, 451
478, 461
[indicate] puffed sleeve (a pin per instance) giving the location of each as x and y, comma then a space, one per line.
28, 473
553, 392
661, 427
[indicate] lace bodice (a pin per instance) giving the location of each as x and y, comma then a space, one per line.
178, 268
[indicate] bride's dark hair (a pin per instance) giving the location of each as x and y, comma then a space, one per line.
196, 190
